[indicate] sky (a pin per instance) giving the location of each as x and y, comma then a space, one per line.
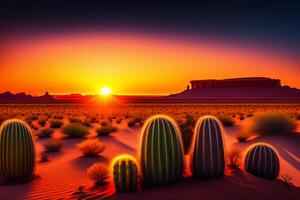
144, 48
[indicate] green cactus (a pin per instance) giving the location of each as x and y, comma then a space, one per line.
262, 160
125, 174
161, 152
17, 151
207, 152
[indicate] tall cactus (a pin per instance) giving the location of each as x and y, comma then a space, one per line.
207, 152
262, 160
125, 173
17, 151
161, 152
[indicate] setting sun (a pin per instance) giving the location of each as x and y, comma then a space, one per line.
105, 91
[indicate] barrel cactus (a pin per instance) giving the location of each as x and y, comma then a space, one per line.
161, 152
17, 151
207, 152
125, 173
262, 160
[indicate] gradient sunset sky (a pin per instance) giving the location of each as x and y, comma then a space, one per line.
144, 48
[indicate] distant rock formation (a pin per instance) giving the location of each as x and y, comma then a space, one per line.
8, 97
249, 89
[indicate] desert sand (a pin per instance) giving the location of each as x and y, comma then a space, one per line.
64, 176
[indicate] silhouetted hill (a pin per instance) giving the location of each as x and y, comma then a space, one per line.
235, 90
8, 97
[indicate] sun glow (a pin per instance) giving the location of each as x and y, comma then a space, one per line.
105, 91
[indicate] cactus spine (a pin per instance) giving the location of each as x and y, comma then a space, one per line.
262, 160
207, 152
125, 174
17, 151
161, 152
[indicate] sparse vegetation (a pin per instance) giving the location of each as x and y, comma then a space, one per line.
91, 147
42, 121
272, 123
227, 121
44, 157
106, 130
287, 179
75, 130
234, 158
53, 146
98, 173
56, 124
242, 136
135, 122
187, 129
45, 133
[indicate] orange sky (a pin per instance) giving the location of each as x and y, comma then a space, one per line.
132, 63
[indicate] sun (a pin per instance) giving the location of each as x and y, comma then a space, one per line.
105, 91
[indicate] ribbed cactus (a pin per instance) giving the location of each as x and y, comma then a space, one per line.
17, 151
262, 160
125, 174
207, 152
161, 152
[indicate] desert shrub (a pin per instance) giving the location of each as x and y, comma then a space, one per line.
104, 123
91, 147
287, 179
42, 121
56, 124
242, 117
44, 157
187, 136
45, 133
60, 117
242, 136
94, 120
75, 130
134, 122
74, 120
98, 173
234, 158
106, 130
53, 146
249, 115
272, 123
298, 116
118, 121
187, 130
226, 121
86, 124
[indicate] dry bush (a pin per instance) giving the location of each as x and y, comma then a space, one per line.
42, 121
272, 123
187, 130
91, 147
56, 124
227, 121
106, 130
74, 120
287, 179
98, 173
243, 136
234, 156
45, 133
53, 146
75, 130
135, 122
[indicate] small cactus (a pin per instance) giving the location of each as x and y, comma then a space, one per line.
207, 152
125, 173
161, 152
262, 160
17, 151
